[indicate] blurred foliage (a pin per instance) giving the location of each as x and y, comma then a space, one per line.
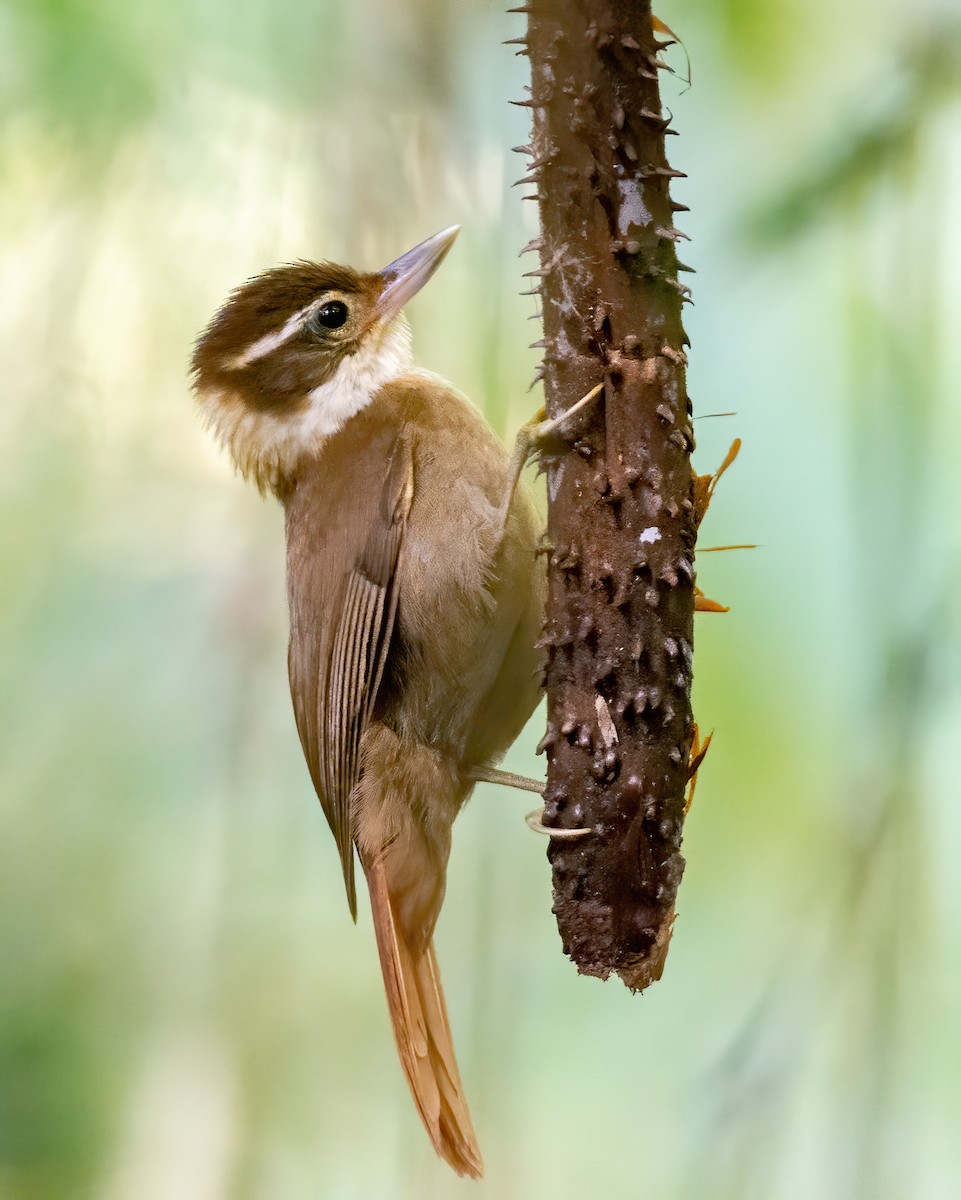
871, 144
185, 1008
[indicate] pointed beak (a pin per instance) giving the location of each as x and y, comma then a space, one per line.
407, 275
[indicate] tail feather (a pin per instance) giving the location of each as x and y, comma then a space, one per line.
419, 1016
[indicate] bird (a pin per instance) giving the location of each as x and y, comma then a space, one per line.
415, 596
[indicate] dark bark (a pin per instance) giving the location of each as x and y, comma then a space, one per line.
622, 516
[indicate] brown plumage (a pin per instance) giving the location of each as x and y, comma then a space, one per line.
414, 603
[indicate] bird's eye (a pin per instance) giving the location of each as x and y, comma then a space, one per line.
331, 315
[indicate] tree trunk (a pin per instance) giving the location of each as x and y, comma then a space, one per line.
622, 506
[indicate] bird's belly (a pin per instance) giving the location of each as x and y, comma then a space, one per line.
468, 621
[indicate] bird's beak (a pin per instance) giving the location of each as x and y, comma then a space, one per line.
407, 275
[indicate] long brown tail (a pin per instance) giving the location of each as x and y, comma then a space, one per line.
416, 1002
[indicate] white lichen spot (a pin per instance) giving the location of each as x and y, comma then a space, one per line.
633, 210
651, 534
554, 477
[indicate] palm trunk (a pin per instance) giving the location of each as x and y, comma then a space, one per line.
622, 518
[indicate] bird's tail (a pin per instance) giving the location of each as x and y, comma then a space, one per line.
419, 1016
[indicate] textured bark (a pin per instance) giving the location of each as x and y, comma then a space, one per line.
622, 506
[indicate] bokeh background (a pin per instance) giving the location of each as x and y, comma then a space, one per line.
186, 1011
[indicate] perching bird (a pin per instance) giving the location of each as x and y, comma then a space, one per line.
415, 599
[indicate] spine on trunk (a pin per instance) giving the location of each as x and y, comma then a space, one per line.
623, 502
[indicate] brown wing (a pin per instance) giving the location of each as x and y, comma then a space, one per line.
344, 537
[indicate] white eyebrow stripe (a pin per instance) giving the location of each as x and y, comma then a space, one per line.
270, 341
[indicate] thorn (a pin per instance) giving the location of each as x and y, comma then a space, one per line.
654, 118
521, 41
684, 267
535, 316
534, 291
671, 233
523, 8
666, 172
523, 103
678, 207
540, 344
680, 288
537, 273
548, 740
678, 357
535, 196
529, 149
534, 244
537, 163
525, 180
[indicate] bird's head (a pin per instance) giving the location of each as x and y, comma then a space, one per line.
294, 353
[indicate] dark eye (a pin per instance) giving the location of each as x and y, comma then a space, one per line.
331, 315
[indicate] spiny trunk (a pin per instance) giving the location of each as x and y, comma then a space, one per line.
622, 505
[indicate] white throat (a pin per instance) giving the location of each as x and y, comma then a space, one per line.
265, 448
357, 379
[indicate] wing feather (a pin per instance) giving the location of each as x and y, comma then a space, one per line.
343, 611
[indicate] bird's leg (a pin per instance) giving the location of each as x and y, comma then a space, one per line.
524, 784
529, 437
506, 779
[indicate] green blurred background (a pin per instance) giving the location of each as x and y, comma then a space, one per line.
186, 1012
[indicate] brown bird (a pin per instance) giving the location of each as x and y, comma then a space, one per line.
415, 599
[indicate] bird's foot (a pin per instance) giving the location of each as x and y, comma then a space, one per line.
530, 437
525, 784
534, 822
